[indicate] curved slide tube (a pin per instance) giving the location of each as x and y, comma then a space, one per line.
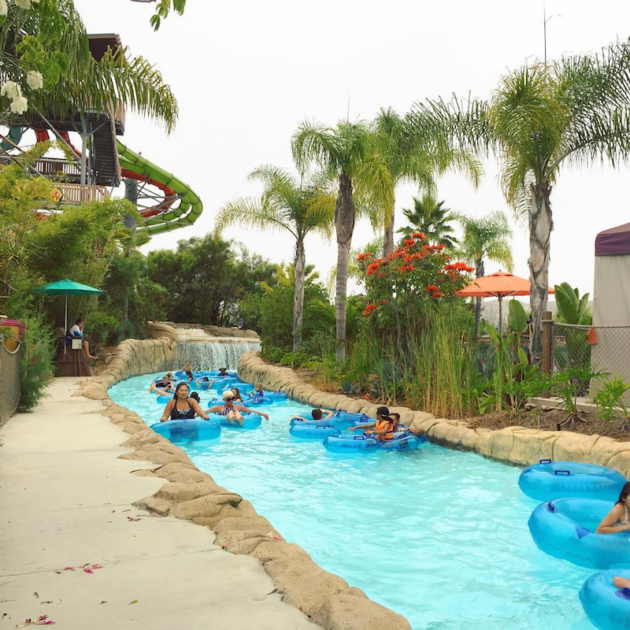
190, 206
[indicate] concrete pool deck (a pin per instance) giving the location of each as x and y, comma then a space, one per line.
66, 500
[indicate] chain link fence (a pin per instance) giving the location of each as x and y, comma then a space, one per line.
598, 349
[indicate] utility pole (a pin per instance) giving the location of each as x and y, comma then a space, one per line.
545, 20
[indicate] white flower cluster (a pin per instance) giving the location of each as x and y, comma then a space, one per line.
23, 4
12, 90
34, 79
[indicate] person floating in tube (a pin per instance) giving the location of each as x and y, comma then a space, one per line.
616, 521
317, 414
382, 429
258, 393
233, 412
181, 407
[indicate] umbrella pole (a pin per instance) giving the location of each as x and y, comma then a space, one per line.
500, 315
65, 332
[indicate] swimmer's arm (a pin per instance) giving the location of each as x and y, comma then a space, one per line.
198, 410
299, 418
215, 409
607, 526
167, 410
258, 413
363, 426
329, 414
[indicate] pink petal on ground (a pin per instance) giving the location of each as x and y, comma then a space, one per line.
88, 571
69, 569
97, 566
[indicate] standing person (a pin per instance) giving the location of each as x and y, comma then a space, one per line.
187, 367
223, 373
77, 332
232, 411
181, 407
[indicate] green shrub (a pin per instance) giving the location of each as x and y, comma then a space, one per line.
36, 365
610, 397
102, 328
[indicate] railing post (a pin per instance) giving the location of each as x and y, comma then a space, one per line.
547, 340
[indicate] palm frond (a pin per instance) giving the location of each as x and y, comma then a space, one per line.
254, 213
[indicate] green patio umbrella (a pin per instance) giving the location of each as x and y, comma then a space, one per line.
67, 287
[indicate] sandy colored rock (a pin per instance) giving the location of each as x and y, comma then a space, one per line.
350, 611
182, 492
621, 462
278, 550
305, 585
605, 449
532, 445
573, 447
244, 523
206, 506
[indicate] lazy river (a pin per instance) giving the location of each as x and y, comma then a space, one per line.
439, 536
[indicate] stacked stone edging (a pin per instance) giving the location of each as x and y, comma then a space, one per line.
193, 495
160, 329
515, 445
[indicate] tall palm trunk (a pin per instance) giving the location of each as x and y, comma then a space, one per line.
344, 226
299, 265
388, 245
540, 226
479, 272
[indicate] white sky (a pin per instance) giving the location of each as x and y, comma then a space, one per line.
247, 73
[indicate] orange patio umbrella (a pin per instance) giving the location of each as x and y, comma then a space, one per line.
497, 285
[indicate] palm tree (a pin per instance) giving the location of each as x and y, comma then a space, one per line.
484, 239
410, 156
540, 118
430, 217
162, 10
347, 155
288, 205
51, 38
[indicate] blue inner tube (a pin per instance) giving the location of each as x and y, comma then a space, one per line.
188, 430
336, 421
271, 397
162, 400
605, 605
351, 443
565, 528
403, 441
313, 433
250, 421
244, 388
555, 480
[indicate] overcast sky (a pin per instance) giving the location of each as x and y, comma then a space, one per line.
247, 73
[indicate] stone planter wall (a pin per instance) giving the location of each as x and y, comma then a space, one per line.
192, 495
9, 381
513, 445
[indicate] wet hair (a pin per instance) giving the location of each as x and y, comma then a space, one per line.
625, 493
317, 414
395, 418
382, 411
179, 386
195, 396
237, 393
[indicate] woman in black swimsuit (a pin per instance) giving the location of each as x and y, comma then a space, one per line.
182, 407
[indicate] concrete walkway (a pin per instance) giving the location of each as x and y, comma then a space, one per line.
66, 500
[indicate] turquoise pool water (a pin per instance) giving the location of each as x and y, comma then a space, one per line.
439, 536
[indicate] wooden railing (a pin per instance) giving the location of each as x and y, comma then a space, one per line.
72, 193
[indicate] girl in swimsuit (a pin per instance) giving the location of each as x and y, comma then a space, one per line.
231, 411
237, 395
181, 407
618, 520
382, 429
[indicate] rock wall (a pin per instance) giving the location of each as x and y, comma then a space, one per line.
9, 381
193, 495
513, 445
161, 329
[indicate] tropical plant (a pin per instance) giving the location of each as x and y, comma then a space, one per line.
517, 317
163, 9
568, 386
572, 310
45, 54
401, 288
346, 154
299, 208
412, 157
610, 398
484, 239
540, 118
432, 219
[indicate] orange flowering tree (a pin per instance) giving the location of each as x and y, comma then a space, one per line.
415, 278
